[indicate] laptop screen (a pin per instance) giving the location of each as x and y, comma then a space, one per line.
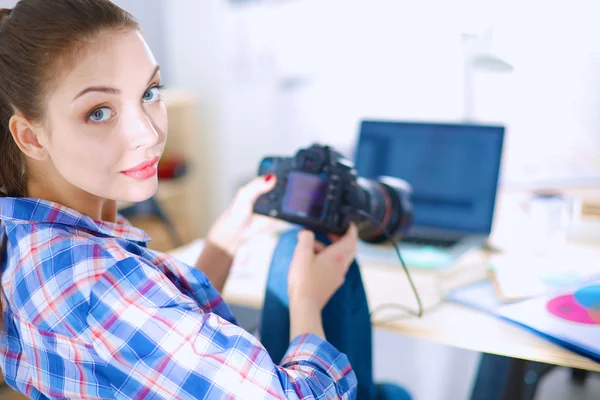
452, 168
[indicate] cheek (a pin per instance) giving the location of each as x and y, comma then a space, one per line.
78, 153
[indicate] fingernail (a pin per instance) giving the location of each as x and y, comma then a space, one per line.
268, 177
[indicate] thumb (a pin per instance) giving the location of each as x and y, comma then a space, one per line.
304, 251
306, 239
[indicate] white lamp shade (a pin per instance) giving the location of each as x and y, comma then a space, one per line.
490, 62
482, 55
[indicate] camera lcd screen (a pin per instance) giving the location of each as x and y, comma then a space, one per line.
305, 195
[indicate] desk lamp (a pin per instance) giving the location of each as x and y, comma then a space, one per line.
479, 54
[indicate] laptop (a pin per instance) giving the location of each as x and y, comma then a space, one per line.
454, 173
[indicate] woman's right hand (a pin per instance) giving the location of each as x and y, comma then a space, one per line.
317, 271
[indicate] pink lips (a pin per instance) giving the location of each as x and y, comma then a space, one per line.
142, 171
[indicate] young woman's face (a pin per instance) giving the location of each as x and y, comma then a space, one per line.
107, 124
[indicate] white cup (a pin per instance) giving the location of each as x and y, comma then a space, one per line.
549, 216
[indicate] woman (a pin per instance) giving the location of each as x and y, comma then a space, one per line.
89, 311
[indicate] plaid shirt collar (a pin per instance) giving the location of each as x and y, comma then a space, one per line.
30, 210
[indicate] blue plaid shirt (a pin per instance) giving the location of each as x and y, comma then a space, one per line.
91, 312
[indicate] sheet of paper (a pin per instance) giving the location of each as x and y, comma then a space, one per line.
479, 295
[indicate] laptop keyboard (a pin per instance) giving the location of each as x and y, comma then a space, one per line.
445, 243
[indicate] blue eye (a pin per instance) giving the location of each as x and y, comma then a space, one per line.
100, 114
151, 94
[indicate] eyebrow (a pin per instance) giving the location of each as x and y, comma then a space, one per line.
109, 90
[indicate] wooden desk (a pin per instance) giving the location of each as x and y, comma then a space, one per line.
447, 323
462, 327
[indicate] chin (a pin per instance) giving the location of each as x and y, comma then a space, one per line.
140, 191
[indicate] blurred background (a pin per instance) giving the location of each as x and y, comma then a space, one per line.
267, 77
250, 78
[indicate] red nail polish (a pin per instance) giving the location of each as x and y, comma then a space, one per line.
268, 177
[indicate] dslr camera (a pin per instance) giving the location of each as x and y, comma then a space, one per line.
319, 189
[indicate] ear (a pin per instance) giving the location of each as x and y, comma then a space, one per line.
27, 136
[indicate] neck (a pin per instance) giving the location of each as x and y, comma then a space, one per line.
87, 204
109, 211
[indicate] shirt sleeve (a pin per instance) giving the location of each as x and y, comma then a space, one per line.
155, 341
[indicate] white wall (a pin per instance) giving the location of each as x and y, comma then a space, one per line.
391, 59
150, 14
402, 59
206, 43
553, 95
307, 70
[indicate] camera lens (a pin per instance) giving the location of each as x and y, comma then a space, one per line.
387, 200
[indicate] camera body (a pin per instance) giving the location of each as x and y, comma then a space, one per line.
320, 189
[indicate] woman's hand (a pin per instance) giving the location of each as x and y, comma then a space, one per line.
318, 271
232, 227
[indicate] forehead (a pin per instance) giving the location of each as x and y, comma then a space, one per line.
118, 59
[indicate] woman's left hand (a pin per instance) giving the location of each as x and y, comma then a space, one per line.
232, 227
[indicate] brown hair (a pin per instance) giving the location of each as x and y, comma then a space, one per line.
39, 38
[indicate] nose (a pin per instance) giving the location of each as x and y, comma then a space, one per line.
143, 131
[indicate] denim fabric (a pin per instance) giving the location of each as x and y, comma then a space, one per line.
346, 320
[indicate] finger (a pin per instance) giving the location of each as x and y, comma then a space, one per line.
352, 229
343, 251
305, 245
350, 236
250, 192
339, 261
306, 238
